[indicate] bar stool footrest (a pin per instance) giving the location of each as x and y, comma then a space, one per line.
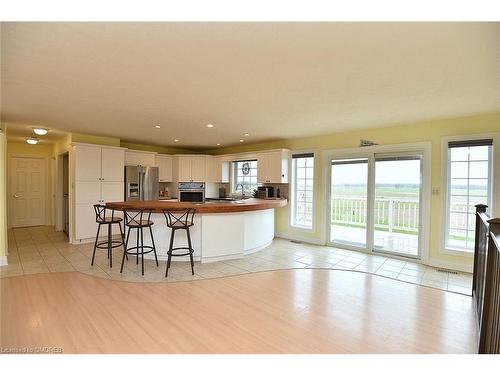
170, 252
130, 252
104, 244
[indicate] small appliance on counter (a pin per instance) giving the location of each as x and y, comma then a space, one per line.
192, 192
222, 192
264, 192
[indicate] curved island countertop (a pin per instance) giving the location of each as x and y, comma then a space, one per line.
210, 207
221, 231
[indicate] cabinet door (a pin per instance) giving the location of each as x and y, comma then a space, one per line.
113, 163
262, 168
274, 167
112, 191
213, 174
224, 171
199, 169
164, 164
139, 158
184, 169
85, 225
87, 163
88, 192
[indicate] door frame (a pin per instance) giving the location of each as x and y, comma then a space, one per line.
425, 148
9, 185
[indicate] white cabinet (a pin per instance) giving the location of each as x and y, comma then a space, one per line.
191, 168
164, 164
144, 158
272, 167
99, 176
217, 170
95, 163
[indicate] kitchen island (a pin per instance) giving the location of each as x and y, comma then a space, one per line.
222, 230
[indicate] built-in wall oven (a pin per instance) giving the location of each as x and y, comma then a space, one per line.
192, 192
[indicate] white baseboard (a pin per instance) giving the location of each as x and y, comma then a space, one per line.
314, 241
450, 265
3, 260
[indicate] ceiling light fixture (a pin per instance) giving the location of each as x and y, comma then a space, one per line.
218, 144
157, 126
246, 134
210, 126
176, 140
241, 140
32, 141
40, 131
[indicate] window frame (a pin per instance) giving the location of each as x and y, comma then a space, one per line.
292, 192
445, 186
234, 173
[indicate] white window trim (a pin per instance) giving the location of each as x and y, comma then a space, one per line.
494, 188
424, 147
315, 175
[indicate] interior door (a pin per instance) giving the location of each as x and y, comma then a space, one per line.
28, 191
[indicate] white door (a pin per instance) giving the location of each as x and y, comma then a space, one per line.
28, 191
113, 163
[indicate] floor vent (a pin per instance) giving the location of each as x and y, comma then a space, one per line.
447, 271
295, 241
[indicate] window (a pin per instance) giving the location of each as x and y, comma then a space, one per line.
469, 183
245, 173
302, 190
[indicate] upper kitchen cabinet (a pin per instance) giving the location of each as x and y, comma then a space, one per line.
272, 167
144, 158
164, 164
191, 168
217, 170
97, 163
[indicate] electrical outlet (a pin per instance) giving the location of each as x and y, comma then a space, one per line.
435, 191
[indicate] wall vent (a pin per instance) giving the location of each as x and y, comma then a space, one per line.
447, 271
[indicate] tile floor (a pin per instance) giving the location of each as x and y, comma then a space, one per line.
41, 249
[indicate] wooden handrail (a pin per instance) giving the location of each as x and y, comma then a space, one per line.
486, 281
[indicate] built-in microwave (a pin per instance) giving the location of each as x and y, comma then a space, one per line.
192, 192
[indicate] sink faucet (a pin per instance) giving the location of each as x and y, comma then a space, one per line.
242, 191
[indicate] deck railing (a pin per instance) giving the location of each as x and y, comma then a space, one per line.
486, 280
391, 214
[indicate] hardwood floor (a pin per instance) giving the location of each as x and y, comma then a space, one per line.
287, 311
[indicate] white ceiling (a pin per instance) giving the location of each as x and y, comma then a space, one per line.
272, 80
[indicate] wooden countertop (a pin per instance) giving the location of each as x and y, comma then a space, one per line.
251, 204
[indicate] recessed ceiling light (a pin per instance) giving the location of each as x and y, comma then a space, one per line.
176, 140
218, 144
32, 141
40, 131
246, 134
241, 140
210, 126
157, 126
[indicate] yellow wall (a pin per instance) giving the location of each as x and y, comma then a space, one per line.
95, 139
3, 191
158, 149
46, 151
431, 131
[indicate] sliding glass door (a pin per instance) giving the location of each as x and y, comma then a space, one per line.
397, 204
349, 202
375, 203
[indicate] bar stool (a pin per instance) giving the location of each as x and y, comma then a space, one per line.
102, 219
139, 219
181, 219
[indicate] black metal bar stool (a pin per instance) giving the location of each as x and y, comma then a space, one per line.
181, 219
101, 218
139, 220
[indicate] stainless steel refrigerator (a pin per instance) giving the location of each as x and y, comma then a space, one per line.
141, 183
